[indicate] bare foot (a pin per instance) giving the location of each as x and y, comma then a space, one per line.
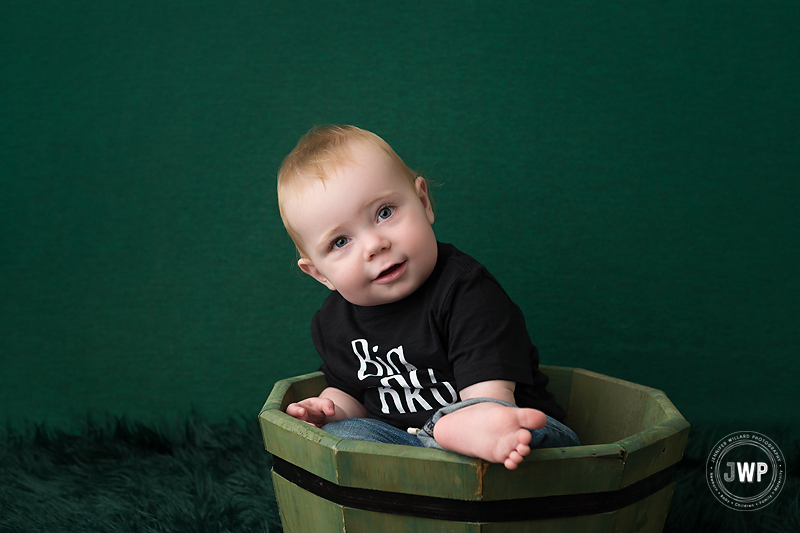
489, 431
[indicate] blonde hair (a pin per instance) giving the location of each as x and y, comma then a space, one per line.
318, 154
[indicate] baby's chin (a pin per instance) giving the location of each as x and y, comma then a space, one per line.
388, 296
375, 302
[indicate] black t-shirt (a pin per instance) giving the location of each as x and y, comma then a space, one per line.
406, 359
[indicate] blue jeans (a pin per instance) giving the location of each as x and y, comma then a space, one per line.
553, 435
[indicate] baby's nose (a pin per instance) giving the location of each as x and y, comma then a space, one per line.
376, 243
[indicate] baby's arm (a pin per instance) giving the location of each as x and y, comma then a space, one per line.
331, 405
497, 389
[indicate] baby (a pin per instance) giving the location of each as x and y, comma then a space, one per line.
420, 344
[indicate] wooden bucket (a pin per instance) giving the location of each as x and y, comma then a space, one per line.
621, 479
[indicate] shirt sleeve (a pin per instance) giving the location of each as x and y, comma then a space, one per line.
487, 335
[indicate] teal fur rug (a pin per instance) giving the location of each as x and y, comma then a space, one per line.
192, 476
123, 476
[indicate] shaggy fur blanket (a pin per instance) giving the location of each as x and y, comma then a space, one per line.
192, 476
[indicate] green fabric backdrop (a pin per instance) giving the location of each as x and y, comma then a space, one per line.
628, 171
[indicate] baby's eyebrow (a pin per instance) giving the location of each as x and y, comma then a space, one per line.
328, 236
381, 197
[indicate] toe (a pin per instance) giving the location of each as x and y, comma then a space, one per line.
524, 437
523, 450
533, 418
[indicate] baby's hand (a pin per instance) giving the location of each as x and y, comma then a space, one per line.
312, 410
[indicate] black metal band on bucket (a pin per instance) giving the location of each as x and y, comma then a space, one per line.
518, 510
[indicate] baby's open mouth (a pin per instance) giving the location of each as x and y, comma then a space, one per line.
389, 271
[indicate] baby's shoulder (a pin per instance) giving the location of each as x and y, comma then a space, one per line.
458, 267
454, 263
460, 277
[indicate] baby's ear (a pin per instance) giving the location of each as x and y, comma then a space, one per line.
308, 267
422, 192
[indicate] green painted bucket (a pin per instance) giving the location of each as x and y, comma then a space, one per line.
620, 480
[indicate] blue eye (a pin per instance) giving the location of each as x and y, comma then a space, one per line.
385, 212
340, 242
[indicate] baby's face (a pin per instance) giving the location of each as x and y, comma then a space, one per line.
366, 231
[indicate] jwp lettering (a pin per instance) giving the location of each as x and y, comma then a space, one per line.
745, 471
